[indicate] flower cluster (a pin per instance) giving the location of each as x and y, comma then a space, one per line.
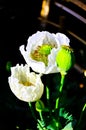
45, 53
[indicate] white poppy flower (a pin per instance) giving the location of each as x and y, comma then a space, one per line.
41, 50
26, 86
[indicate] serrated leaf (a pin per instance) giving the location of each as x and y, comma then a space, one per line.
65, 115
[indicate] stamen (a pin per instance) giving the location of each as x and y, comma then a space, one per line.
26, 83
67, 48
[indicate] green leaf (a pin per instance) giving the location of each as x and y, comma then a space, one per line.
53, 125
65, 115
68, 126
8, 66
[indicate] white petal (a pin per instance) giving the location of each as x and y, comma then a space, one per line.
63, 39
25, 93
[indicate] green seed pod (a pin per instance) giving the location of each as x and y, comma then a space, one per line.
45, 49
39, 106
65, 59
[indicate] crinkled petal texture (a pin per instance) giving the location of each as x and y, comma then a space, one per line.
26, 86
39, 39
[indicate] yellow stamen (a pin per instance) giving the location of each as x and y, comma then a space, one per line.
26, 83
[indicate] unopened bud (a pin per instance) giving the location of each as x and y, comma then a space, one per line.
65, 59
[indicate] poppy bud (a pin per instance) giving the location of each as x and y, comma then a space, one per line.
65, 59
39, 106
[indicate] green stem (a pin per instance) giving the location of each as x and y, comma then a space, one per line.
60, 90
41, 117
48, 99
47, 94
81, 114
41, 123
31, 108
62, 82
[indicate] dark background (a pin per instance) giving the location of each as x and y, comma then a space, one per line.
18, 20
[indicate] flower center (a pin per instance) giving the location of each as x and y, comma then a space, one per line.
45, 49
41, 53
25, 83
24, 80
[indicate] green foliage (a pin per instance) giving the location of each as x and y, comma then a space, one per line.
65, 115
8, 66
